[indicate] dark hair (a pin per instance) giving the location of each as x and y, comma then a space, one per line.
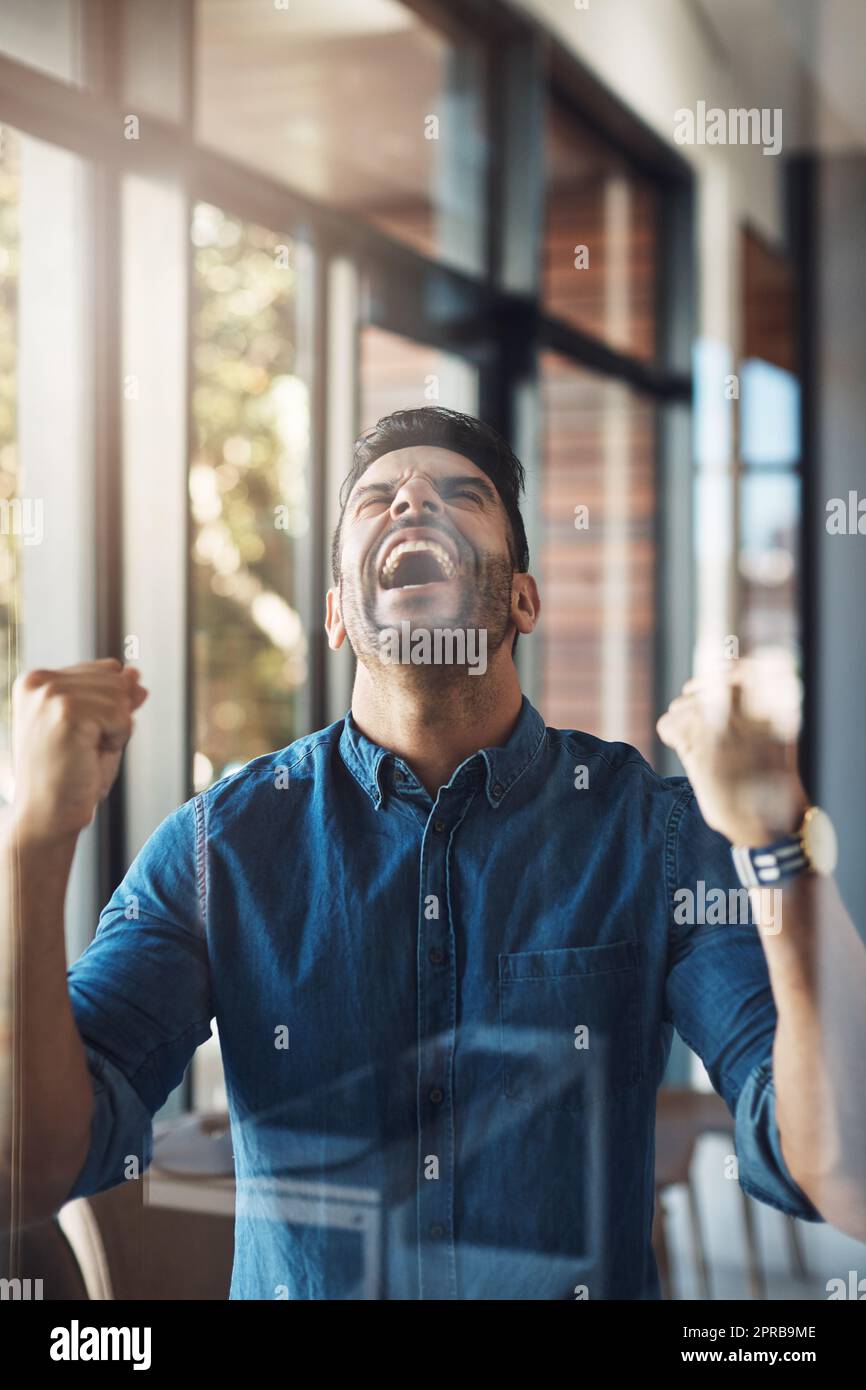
445, 429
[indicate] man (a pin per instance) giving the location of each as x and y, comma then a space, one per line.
445, 946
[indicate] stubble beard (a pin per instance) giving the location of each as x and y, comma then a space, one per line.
484, 605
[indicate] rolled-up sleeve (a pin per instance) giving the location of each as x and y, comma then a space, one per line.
719, 999
762, 1168
141, 998
121, 1131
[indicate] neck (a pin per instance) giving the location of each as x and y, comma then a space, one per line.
434, 725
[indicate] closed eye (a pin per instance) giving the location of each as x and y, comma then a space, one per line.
382, 494
385, 501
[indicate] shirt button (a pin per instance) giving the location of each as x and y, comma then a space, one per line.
437, 956
437, 1231
439, 826
437, 1096
498, 789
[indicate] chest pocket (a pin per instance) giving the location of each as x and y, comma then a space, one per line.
570, 1024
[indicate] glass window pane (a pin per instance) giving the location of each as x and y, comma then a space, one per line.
249, 491
770, 448
600, 252
769, 302
769, 561
47, 582
397, 374
769, 415
597, 562
46, 36
356, 103
155, 57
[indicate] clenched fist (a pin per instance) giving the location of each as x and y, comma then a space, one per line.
69, 730
735, 735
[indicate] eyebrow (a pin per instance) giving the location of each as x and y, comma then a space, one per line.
463, 480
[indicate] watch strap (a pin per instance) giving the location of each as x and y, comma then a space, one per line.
783, 858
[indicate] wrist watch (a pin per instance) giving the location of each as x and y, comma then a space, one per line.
813, 848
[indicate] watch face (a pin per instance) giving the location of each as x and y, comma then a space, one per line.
819, 841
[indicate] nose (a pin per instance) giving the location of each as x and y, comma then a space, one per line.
416, 497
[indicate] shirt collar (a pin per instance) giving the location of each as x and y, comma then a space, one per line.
504, 766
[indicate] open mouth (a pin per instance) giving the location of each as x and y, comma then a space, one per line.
412, 564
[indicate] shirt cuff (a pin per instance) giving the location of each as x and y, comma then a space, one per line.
121, 1131
762, 1170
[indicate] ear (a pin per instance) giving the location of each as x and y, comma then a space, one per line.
525, 603
334, 621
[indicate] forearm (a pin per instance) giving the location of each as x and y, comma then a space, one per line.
817, 965
46, 1098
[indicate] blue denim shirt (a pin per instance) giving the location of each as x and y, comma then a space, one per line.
443, 1023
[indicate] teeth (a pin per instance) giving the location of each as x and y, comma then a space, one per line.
439, 553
